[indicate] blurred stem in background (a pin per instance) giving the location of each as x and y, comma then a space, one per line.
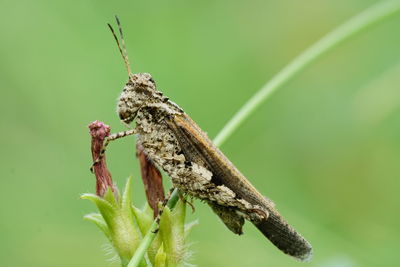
358, 23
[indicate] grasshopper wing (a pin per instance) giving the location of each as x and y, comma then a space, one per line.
198, 148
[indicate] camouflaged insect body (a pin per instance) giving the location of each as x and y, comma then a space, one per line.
175, 143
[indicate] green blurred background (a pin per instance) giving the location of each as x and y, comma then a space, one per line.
325, 147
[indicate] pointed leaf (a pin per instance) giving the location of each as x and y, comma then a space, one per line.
111, 198
179, 215
101, 203
160, 258
97, 219
144, 217
126, 196
171, 243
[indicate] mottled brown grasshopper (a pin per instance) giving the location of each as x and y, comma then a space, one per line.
175, 143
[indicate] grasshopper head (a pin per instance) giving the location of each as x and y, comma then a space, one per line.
139, 90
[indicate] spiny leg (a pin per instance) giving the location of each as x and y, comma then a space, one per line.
107, 140
187, 199
161, 209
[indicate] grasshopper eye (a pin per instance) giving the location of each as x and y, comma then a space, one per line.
123, 115
127, 117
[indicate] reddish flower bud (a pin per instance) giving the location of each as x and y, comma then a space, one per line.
152, 179
99, 131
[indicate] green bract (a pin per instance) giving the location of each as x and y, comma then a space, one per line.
124, 225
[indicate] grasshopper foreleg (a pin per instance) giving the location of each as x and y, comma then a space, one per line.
107, 140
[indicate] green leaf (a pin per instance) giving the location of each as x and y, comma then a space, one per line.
97, 219
103, 205
161, 257
179, 216
172, 231
112, 197
144, 217
117, 221
126, 201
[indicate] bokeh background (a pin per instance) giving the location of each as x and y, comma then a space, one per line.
325, 147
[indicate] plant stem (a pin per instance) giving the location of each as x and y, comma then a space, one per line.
362, 21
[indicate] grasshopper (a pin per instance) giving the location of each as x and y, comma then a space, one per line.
175, 143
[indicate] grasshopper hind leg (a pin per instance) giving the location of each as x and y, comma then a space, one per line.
229, 217
196, 180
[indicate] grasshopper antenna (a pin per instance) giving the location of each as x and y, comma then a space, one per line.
122, 49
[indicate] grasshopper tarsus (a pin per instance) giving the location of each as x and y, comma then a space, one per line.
161, 209
190, 203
